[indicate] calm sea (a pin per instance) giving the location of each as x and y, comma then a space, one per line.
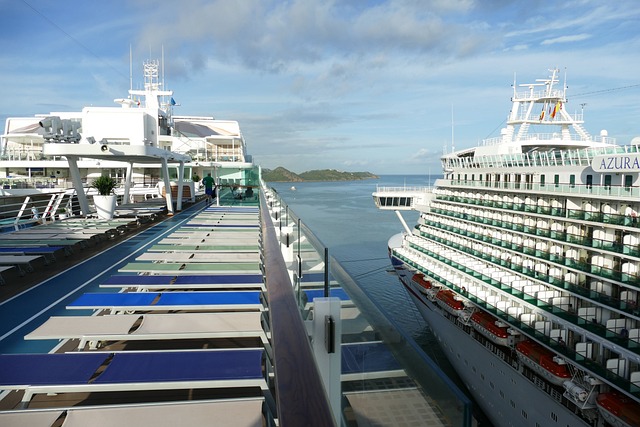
343, 216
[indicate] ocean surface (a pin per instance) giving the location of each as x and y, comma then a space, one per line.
343, 216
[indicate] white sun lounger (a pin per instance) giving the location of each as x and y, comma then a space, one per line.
134, 371
185, 282
29, 418
97, 329
242, 412
199, 257
246, 412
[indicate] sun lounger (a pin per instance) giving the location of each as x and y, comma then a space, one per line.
175, 247
191, 268
215, 225
29, 418
368, 360
251, 242
145, 282
22, 262
243, 412
247, 412
132, 371
8, 273
151, 301
134, 327
184, 257
49, 252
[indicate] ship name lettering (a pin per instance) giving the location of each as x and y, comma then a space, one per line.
615, 163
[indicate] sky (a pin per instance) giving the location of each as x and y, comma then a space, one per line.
354, 85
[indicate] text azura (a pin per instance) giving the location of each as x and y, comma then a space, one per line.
630, 163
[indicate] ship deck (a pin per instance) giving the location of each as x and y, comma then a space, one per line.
207, 287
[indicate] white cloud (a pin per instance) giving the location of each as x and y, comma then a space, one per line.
566, 39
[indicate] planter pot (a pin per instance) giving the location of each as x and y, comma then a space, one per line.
105, 206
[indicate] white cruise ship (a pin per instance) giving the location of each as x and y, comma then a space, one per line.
34, 151
524, 263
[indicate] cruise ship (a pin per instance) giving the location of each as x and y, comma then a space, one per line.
35, 151
183, 311
524, 263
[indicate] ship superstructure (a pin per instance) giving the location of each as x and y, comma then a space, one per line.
525, 264
145, 118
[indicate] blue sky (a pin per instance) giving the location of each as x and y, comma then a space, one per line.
351, 85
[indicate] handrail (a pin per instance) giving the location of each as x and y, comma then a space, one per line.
301, 397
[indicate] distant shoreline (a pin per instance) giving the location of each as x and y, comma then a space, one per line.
281, 174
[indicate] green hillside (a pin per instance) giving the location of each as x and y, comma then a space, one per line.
281, 174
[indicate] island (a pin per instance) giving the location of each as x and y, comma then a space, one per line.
281, 174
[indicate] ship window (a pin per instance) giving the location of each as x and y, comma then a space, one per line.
572, 180
473, 177
589, 181
556, 180
607, 181
542, 179
628, 180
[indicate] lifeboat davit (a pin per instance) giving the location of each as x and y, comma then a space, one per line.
488, 326
618, 409
423, 283
447, 300
541, 361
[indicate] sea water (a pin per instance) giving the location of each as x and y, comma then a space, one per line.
344, 217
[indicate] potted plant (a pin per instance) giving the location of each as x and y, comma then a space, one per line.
105, 201
62, 213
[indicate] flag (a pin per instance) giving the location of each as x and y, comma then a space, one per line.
173, 101
555, 109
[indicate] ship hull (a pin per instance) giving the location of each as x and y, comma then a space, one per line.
506, 396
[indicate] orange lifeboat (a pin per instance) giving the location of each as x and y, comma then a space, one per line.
421, 281
487, 325
447, 300
541, 361
618, 409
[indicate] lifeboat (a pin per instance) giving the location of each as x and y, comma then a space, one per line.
447, 300
618, 409
490, 327
422, 283
541, 361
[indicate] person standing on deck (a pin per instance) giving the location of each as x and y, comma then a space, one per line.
208, 187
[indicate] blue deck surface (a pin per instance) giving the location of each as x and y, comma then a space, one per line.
25, 312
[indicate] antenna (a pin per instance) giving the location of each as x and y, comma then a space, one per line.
130, 68
453, 149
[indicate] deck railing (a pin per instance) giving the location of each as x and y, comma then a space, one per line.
302, 400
